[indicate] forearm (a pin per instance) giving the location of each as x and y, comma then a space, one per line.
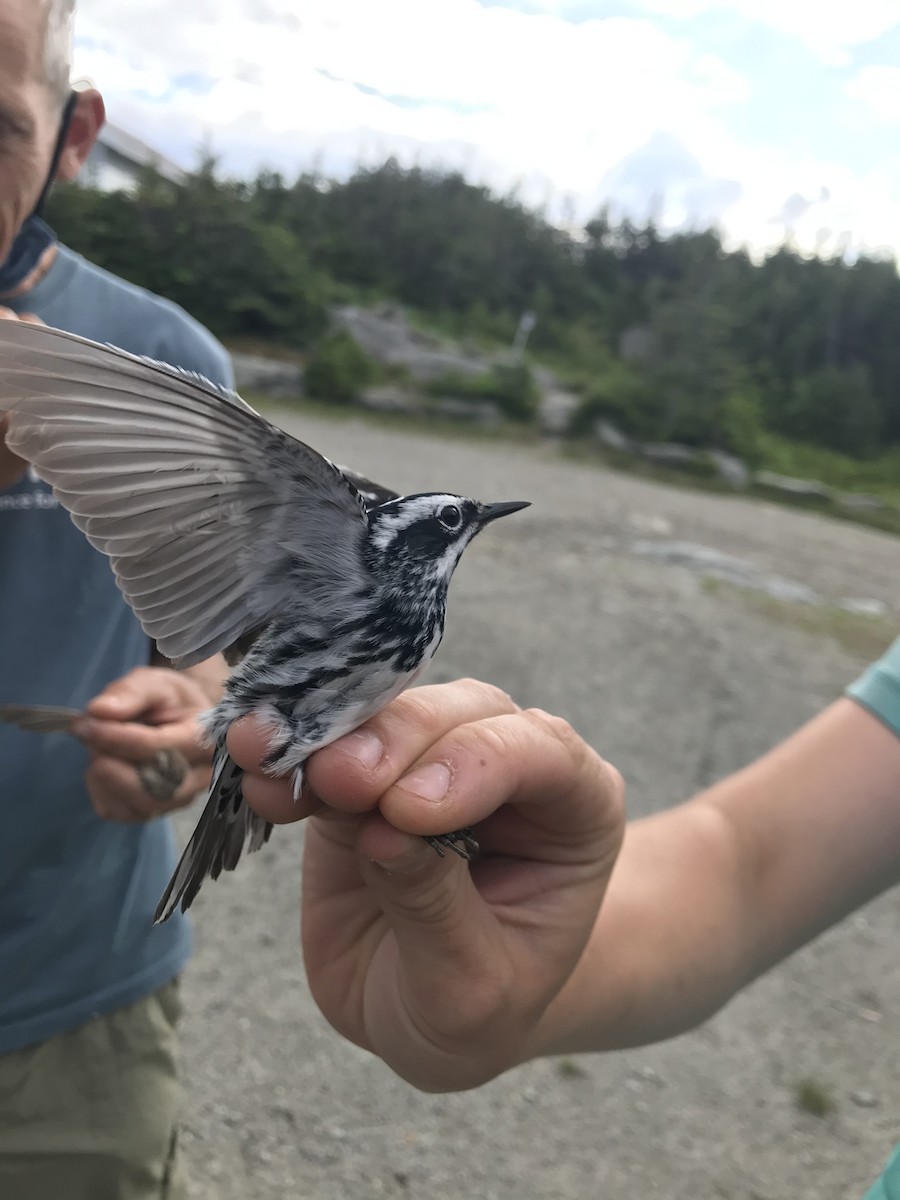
709, 895
664, 953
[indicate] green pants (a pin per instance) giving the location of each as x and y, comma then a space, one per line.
90, 1114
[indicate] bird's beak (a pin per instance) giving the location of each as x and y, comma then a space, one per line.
490, 512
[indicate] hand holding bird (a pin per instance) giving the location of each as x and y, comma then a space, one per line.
447, 970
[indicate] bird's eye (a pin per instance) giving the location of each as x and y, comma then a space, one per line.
450, 517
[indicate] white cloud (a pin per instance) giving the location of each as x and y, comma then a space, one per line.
827, 27
530, 92
562, 110
879, 89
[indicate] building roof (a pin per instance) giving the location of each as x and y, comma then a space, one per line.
127, 146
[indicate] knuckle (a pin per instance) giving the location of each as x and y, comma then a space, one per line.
609, 803
494, 697
615, 781
411, 707
591, 771
138, 675
558, 726
493, 740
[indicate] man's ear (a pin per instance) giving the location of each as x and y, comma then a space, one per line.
87, 120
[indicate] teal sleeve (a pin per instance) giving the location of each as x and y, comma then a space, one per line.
878, 689
888, 1186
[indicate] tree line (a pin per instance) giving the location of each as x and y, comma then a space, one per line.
672, 337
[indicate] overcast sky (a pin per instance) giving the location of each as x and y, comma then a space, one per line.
757, 115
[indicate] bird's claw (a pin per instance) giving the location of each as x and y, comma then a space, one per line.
461, 842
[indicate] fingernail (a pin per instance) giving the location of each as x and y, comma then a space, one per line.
430, 781
365, 746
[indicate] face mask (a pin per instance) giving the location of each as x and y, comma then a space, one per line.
35, 235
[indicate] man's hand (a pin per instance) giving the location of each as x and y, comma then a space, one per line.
12, 468
148, 710
442, 969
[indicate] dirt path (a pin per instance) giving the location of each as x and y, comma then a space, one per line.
678, 679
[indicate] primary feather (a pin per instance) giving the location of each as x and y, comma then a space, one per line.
201, 504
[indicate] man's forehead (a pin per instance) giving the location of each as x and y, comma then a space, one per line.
22, 26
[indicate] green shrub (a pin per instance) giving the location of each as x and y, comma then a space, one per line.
510, 386
741, 428
625, 397
338, 369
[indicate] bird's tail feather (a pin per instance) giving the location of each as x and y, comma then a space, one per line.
226, 825
39, 718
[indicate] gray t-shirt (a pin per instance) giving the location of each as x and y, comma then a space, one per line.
77, 893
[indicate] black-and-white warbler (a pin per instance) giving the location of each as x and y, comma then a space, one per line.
226, 534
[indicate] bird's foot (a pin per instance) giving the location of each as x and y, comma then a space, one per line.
461, 842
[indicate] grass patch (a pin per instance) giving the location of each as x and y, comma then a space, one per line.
886, 520
568, 1068
878, 475
866, 637
813, 1097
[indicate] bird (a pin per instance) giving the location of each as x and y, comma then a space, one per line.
325, 591
161, 775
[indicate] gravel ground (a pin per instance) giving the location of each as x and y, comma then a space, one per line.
676, 678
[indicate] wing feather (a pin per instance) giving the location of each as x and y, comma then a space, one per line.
212, 517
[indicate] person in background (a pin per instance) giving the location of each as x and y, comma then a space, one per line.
88, 1002
574, 931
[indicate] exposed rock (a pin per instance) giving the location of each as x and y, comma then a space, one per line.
654, 524
555, 410
389, 399
612, 437
647, 1074
638, 344
387, 337
480, 412
861, 502
810, 488
713, 563
272, 377
864, 607
731, 470
671, 454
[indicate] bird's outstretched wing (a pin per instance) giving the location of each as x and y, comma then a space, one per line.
213, 518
